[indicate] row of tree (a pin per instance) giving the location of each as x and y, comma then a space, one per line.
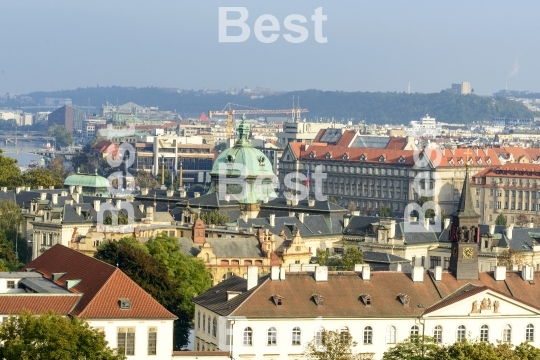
161, 268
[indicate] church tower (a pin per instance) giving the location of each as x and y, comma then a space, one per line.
465, 236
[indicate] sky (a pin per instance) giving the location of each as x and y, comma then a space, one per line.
371, 45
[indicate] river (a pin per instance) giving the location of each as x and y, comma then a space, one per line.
22, 152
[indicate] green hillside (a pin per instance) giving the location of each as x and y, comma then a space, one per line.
398, 108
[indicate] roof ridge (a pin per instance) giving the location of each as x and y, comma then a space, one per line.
250, 295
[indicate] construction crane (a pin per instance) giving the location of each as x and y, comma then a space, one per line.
228, 111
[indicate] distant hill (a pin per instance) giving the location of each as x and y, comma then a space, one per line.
396, 108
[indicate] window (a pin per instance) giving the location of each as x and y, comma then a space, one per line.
437, 334
248, 337
507, 333
484, 333
296, 336
391, 335
214, 327
415, 330
203, 322
228, 334
271, 338
199, 320
344, 332
152, 341
434, 261
529, 332
319, 337
461, 332
209, 324
368, 335
11, 284
126, 341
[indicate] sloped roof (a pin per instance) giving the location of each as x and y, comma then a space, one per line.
101, 285
371, 155
14, 304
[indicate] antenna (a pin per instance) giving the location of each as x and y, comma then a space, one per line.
409, 88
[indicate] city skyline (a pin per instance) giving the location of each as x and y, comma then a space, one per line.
371, 46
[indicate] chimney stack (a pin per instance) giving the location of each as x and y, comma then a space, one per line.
118, 204
141, 207
282, 273
500, 273
509, 231
366, 273
252, 277
272, 220
346, 219
527, 273
301, 217
78, 210
71, 189
144, 191
426, 223
311, 203
40, 187
446, 222
321, 273
438, 273
196, 194
97, 205
418, 274
274, 273
492, 229
55, 199
43, 196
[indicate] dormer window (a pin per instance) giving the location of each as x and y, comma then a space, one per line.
479, 161
366, 299
401, 160
312, 154
125, 303
363, 157
451, 161
345, 156
382, 159
319, 300
405, 299
460, 162
328, 155
278, 300
488, 161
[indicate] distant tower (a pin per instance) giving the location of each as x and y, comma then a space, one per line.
464, 235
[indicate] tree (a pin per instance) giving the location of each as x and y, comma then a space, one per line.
500, 220
525, 351
332, 200
214, 217
10, 174
39, 177
144, 179
220, 147
477, 350
385, 211
52, 336
333, 345
58, 170
351, 256
522, 219
62, 135
511, 257
351, 207
413, 348
322, 257
430, 213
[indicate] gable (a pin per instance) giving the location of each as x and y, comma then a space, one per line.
481, 302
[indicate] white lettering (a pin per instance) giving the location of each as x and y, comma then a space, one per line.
225, 23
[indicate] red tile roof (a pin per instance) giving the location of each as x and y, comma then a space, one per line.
354, 154
37, 304
101, 285
511, 170
346, 138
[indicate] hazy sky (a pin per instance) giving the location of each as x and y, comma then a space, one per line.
372, 45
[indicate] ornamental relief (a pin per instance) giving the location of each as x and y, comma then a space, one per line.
485, 306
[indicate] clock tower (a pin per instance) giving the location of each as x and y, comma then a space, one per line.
464, 236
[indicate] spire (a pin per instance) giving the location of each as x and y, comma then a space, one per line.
465, 207
243, 134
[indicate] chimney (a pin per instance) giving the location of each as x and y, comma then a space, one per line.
252, 277
426, 223
294, 202
17, 190
392, 229
500, 273
109, 201
446, 222
182, 192
141, 207
227, 197
40, 187
118, 204
78, 210
438, 273
69, 202
418, 274
79, 189
266, 200
358, 267
509, 230
144, 191
282, 273
4, 189
71, 189
527, 273
272, 220
321, 273
311, 203
97, 205
43, 196
492, 229
531, 224
55, 199
28, 188
274, 273
346, 220
150, 211
245, 217
366, 273
50, 187
301, 217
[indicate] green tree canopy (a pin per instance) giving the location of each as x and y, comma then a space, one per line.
414, 348
500, 220
10, 173
334, 345
385, 211
61, 134
214, 217
51, 337
41, 177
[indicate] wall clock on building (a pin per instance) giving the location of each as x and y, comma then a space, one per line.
468, 252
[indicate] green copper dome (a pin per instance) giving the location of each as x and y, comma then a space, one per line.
87, 180
244, 161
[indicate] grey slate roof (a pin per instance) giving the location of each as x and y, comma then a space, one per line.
42, 286
380, 257
215, 298
313, 225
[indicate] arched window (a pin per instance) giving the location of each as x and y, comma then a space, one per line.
319, 336
214, 327
391, 335
461, 333
484, 333
209, 320
248, 337
271, 338
437, 334
203, 322
507, 333
296, 336
199, 320
368, 335
415, 330
344, 332
529, 332
198, 345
